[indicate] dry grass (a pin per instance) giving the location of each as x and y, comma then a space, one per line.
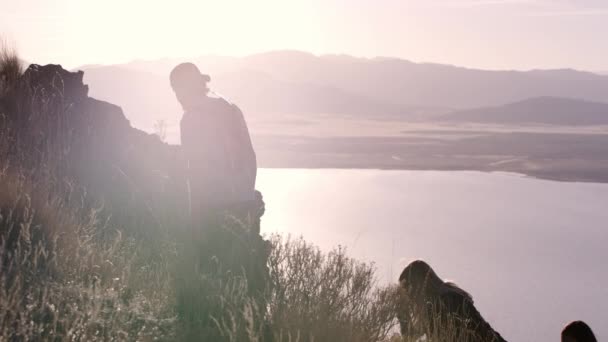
11, 67
60, 282
326, 296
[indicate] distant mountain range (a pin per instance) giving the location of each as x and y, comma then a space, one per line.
298, 82
146, 96
542, 110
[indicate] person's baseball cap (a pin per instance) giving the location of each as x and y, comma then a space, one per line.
187, 75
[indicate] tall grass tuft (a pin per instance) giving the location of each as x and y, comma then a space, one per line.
11, 67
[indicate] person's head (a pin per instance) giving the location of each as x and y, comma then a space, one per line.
188, 83
578, 331
418, 278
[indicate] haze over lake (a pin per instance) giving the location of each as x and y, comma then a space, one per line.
532, 252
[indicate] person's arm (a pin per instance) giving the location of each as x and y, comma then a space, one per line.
247, 162
186, 137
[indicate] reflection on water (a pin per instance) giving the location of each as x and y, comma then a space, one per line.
532, 252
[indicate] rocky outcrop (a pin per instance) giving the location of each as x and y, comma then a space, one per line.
57, 128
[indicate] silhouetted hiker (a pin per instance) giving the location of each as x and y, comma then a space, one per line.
578, 331
215, 140
441, 309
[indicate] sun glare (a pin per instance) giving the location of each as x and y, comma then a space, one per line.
119, 30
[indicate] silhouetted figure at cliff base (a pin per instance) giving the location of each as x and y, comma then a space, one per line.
578, 331
215, 141
440, 309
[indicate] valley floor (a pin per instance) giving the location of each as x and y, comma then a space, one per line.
548, 152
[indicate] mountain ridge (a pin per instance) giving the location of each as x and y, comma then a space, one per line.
341, 84
537, 110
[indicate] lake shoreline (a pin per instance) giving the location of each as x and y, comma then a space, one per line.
539, 175
557, 157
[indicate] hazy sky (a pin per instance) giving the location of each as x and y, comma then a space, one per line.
490, 34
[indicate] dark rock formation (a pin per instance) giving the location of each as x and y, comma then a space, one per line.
56, 127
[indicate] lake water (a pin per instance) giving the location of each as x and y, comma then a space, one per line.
533, 253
